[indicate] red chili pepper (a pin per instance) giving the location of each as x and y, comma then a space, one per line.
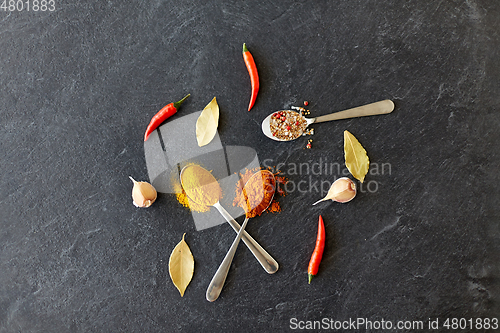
254, 76
318, 250
166, 112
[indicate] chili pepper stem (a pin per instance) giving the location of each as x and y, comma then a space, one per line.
177, 104
310, 278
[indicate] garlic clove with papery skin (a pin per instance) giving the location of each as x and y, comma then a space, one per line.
342, 190
143, 194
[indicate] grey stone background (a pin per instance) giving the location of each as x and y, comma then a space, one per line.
79, 85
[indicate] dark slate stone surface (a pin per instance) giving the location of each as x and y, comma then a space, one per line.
79, 85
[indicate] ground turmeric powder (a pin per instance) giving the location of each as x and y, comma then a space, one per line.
184, 200
200, 187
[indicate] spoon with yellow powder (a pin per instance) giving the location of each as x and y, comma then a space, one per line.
202, 188
258, 193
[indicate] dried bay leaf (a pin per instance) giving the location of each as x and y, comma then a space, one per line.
181, 266
356, 159
206, 125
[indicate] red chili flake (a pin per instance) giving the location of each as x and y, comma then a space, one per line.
297, 123
283, 118
288, 127
306, 103
308, 146
274, 134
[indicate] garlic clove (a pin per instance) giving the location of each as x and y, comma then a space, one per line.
342, 190
143, 194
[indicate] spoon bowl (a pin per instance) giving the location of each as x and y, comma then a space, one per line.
377, 108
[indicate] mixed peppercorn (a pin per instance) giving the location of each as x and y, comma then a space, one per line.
287, 125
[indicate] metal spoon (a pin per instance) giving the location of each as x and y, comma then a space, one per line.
382, 107
264, 258
268, 184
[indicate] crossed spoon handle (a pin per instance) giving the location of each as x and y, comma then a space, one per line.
215, 286
264, 258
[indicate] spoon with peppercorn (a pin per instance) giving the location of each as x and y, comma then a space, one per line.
287, 125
